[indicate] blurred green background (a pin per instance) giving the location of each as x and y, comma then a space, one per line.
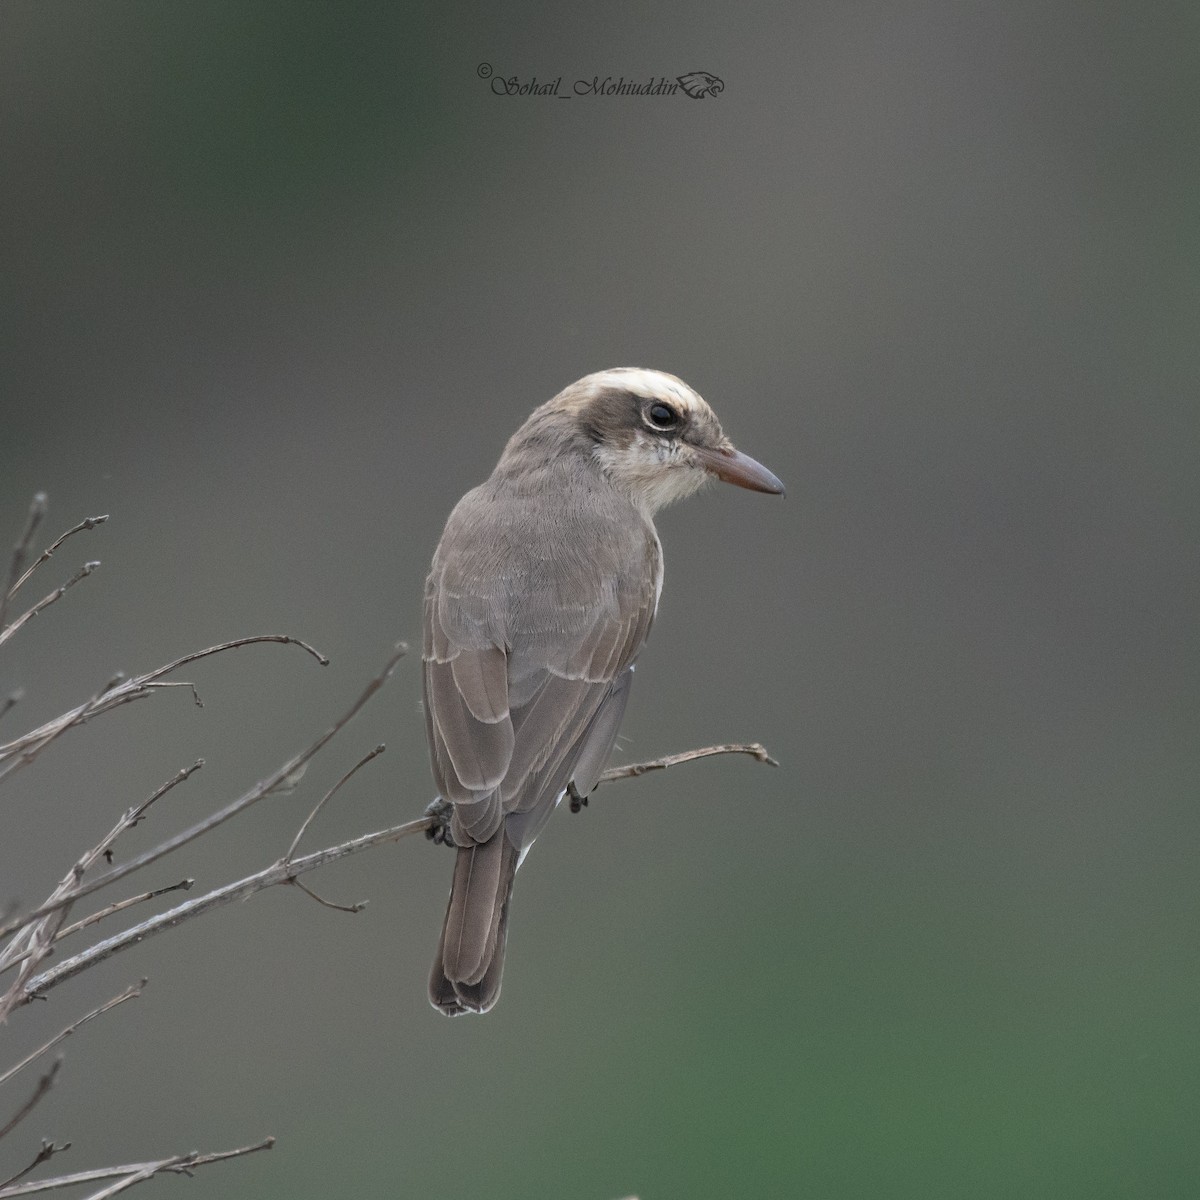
278, 281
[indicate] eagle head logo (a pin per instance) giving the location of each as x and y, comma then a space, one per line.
700, 84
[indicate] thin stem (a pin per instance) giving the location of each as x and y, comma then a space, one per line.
37, 511
118, 691
279, 872
184, 885
47, 554
59, 592
288, 869
48, 1150
131, 1172
130, 993
29, 941
346, 908
362, 762
43, 1086
755, 749
256, 793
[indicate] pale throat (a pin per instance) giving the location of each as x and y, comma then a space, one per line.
654, 472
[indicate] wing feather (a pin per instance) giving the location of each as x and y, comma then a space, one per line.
550, 726
478, 751
481, 676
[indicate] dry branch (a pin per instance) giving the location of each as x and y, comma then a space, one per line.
362, 762
281, 871
22, 751
18, 578
35, 934
59, 592
288, 870
34, 941
37, 511
86, 523
30, 939
277, 779
130, 993
48, 1150
184, 885
43, 1086
130, 1173
755, 749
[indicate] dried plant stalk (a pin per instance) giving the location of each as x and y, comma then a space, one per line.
33, 935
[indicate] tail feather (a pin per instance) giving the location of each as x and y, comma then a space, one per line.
470, 959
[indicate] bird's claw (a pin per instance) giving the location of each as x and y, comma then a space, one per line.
439, 832
578, 802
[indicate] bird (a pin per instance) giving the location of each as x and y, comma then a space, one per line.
543, 589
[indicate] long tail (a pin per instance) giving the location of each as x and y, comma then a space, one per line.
470, 957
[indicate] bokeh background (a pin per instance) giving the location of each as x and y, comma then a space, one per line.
277, 283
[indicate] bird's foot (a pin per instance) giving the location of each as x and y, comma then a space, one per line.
441, 811
578, 802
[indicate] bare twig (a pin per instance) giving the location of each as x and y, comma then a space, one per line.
346, 908
287, 870
137, 814
184, 885
37, 510
237, 644
278, 872
754, 749
118, 691
362, 762
45, 602
37, 932
147, 1172
47, 554
287, 858
43, 1086
131, 1173
29, 948
263, 788
133, 816
33, 942
48, 1150
130, 993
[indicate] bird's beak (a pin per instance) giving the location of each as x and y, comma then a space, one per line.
732, 466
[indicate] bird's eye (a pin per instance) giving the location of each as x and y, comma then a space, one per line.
661, 416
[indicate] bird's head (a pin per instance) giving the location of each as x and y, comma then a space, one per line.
654, 436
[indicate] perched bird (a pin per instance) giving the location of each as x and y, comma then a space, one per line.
542, 591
